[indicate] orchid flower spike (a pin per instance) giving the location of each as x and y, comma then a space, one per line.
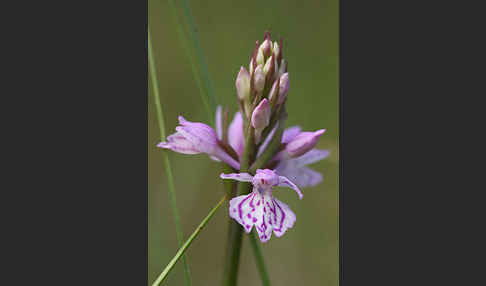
260, 208
195, 138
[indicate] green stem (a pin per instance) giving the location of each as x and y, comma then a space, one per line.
270, 151
170, 180
233, 250
259, 259
184, 247
230, 273
273, 146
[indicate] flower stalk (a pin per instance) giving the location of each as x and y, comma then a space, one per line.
257, 252
270, 151
235, 232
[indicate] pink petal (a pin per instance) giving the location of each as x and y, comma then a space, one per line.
294, 168
223, 156
264, 212
242, 177
303, 143
219, 122
204, 139
265, 218
287, 135
178, 143
236, 138
245, 211
201, 138
290, 133
284, 182
200, 130
302, 176
284, 218
310, 157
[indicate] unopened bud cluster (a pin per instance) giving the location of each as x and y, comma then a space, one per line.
263, 89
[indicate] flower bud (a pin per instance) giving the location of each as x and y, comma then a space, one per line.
252, 66
260, 118
283, 67
283, 87
266, 48
261, 115
269, 70
276, 50
259, 79
268, 65
274, 90
303, 143
280, 52
243, 84
259, 58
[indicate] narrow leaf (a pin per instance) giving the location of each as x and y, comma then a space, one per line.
170, 180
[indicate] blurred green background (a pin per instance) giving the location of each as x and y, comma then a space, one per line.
308, 253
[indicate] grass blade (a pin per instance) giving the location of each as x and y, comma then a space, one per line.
183, 249
160, 118
204, 68
209, 104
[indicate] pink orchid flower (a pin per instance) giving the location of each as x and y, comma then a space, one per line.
260, 208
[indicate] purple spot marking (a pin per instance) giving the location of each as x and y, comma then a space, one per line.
249, 215
254, 219
264, 225
240, 204
272, 209
282, 219
274, 212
